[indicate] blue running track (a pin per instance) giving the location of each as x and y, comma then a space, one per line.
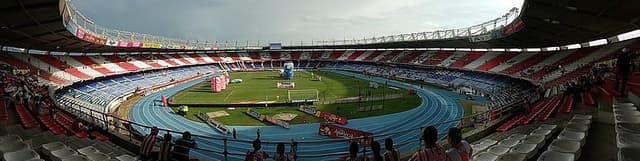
437, 106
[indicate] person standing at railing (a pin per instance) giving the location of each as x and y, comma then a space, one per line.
256, 154
165, 148
353, 153
431, 150
281, 156
375, 149
392, 153
148, 143
182, 147
460, 149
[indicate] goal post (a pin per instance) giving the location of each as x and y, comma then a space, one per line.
303, 95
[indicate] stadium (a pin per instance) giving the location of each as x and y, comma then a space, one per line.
548, 80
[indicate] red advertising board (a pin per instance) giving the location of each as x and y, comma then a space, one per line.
89, 37
333, 118
335, 131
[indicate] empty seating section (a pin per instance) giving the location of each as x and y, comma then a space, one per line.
466, 59
198, 59
411, 56
355, 55
234, 56
7, 58
546, 113
62, 66
535, 59
373, 55
569, 76
104, 91
388, 56
572, 57
19, 144
496, 61
569, 143
92, 64
124, 64
335, 55
437, 58
25, 117
566, 106
51, 124
149, 59
255, 56
519, 144
537, 109
627, 128
587, 99
167, 59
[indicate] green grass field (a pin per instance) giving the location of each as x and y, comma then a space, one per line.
257, 85
261, 86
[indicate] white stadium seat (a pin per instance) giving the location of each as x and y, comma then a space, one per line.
87, 150
513, 157
566, 146
529, 150
572, 135
76, 158
53, 146
509, 143
498, 150
97, 156
126, 158
556, 156
13, 146
629, 154
63, 153
485, 157
624, 140
22, 155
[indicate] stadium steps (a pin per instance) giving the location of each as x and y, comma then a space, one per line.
120, 62
546, 113
27, 120
528, 62
373, 55
167, 60
410, 56
197, 58
108, 64
336, 54
483, 59
35, 62
234, 56
466, 59
316, 55
571, 58
255, 56
495, 61
587, 99
346, 55
81, 67
510, 62
437, 58
137, 63
40, 73
389, 56
215, 57
63, 66
275, 55
188, 58
147, 60
93, 65
566, 106
452, 58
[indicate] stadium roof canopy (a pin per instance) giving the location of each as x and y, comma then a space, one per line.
39, 24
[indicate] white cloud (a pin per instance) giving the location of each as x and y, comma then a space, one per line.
286, 20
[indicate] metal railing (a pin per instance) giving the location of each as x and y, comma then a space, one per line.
80, 21
135, 131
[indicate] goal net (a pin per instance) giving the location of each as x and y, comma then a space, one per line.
304, 95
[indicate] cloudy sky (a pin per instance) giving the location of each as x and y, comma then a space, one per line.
289, 20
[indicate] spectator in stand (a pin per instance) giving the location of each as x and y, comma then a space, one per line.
353, 153
280, 155
182, 147
256, 154
431, 150
375, 149
392, 153
624, 68
165, 148
460, 149
148, 143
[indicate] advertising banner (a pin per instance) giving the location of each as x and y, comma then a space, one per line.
513, 27
335, 131
333, 118
129, 44
89, 37
151, 45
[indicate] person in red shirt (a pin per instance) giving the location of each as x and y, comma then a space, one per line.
148, 143
431, 151
256, 154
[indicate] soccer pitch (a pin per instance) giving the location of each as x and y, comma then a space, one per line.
261, 86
